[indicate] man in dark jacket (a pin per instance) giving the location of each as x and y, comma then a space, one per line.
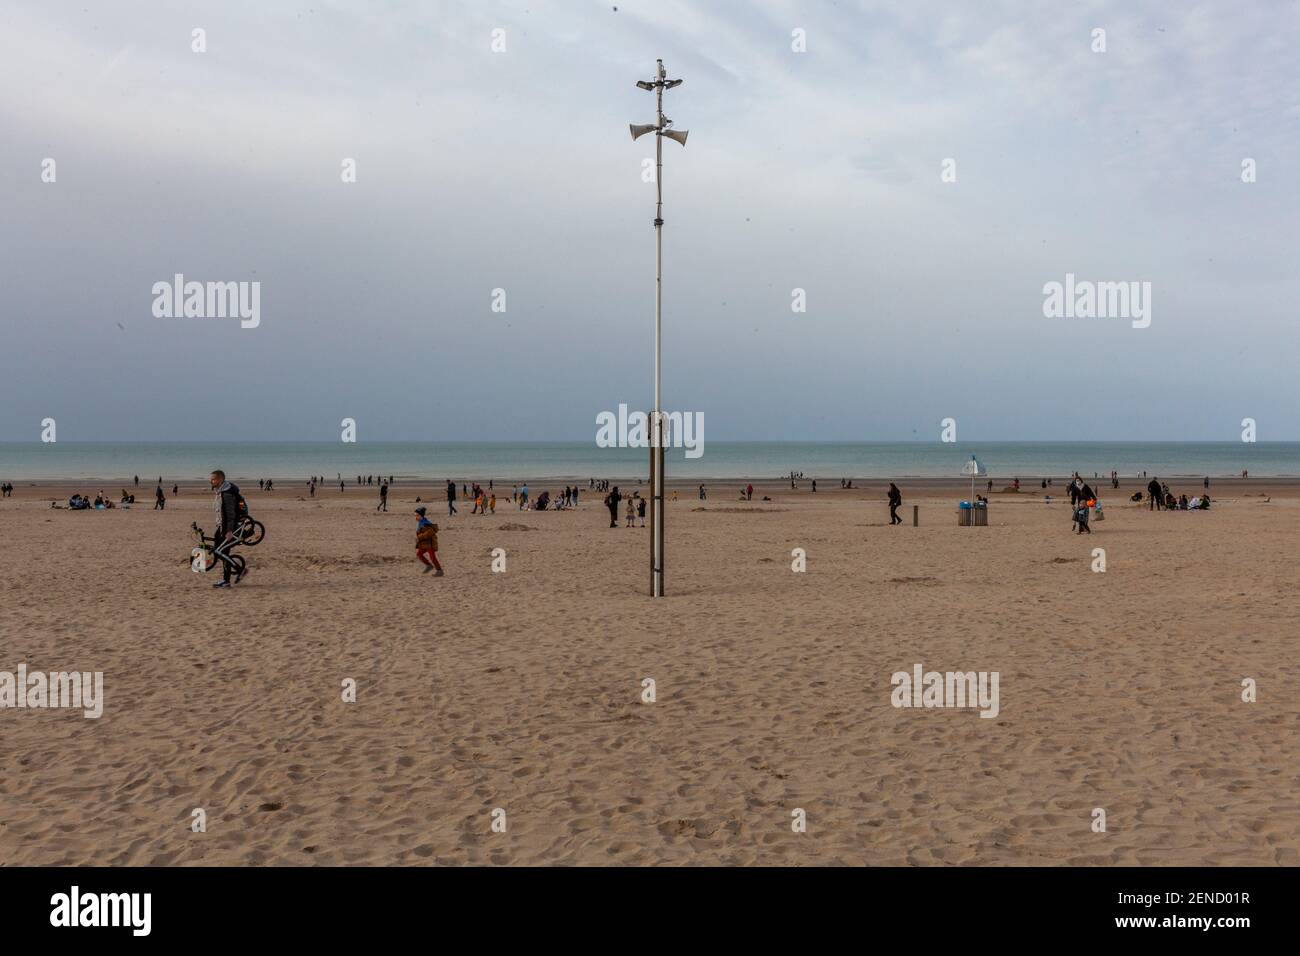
1155, 500
611, 502
451, 498
226, 505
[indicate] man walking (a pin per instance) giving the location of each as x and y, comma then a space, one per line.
226, 505
451, 498
159, 501
383, 497
611, 501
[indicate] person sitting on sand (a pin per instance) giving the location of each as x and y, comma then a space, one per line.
426, 543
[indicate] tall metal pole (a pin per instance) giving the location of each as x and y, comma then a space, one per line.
656, 423
661, 128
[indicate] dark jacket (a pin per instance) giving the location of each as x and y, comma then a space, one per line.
227, 506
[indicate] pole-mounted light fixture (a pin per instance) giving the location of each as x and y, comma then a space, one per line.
661, 129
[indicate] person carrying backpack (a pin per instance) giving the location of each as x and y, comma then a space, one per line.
230, 509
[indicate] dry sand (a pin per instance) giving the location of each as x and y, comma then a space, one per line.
523, 690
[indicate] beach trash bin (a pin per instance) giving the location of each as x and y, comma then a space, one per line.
981, 516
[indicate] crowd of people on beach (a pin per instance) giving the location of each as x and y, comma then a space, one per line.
230, 506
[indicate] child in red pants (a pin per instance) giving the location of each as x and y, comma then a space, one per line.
426, 544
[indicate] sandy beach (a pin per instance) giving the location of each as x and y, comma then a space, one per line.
523, 690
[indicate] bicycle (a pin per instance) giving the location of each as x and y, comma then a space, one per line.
203, 558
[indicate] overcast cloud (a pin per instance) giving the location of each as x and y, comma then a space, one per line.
479, 170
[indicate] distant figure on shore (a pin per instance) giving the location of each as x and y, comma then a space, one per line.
611, 502
703, 494
451, 498
895, 502
159, 501
383, 497
1207, 483
814, 486
523, 497
137, 481
426, 543
749, 492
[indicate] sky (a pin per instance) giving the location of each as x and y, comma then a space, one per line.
818, 138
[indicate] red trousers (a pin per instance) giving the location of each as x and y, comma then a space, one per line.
428, 557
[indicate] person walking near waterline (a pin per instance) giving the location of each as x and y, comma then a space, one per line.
895, 502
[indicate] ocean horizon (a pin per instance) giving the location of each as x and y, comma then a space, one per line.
187, 461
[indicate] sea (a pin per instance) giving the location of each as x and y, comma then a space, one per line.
522, 461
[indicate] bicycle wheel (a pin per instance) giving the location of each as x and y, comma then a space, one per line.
251, 532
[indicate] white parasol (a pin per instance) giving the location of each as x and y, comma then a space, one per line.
976, 470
